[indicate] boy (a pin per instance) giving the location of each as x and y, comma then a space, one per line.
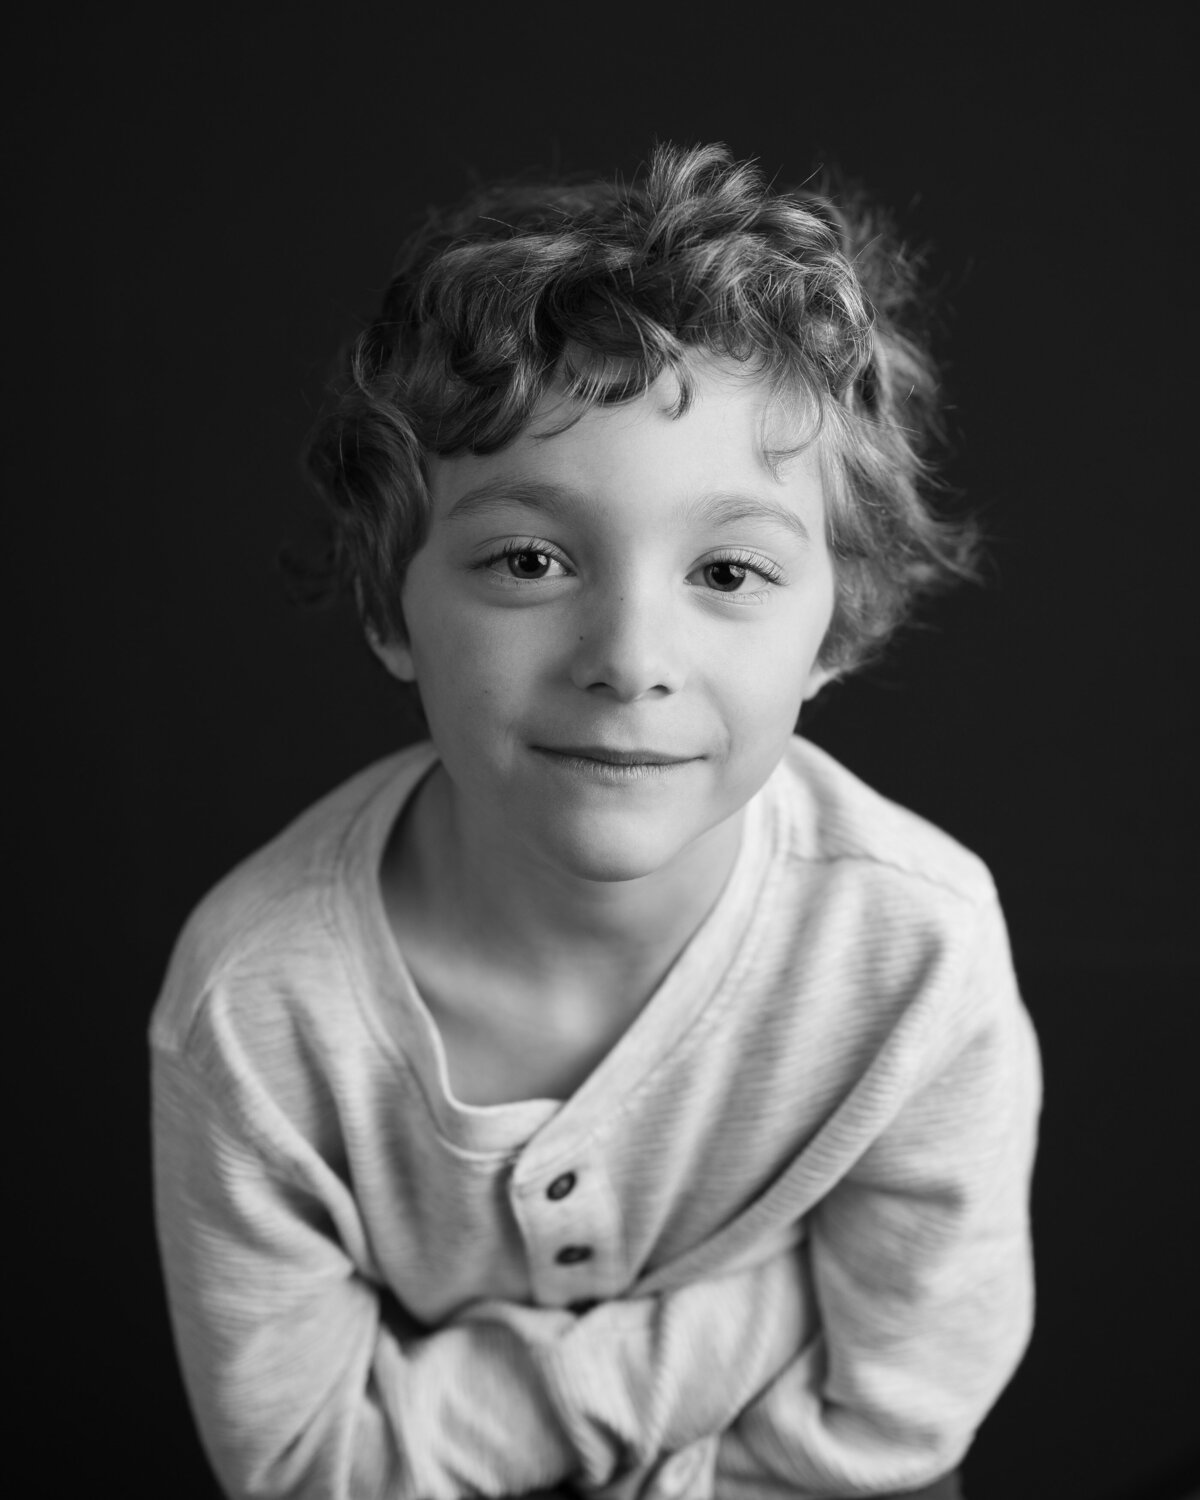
611, 1094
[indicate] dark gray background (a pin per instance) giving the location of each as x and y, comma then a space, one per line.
204, 204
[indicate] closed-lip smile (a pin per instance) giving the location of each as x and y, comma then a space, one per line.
608, 755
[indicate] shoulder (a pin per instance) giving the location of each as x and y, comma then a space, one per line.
274, 916
827, 816
891, 929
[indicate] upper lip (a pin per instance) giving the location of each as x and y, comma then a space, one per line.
617, 757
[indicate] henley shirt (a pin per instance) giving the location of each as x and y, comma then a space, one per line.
776, 1244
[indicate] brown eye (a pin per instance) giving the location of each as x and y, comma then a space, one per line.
528, 564
726, 577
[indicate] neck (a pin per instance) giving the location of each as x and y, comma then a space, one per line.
543, 926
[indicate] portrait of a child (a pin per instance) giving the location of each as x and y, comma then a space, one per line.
610, 1093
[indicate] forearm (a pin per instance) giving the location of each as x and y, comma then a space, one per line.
795, 1442
305, 1380
504, 1401
872, 1406
637, 1379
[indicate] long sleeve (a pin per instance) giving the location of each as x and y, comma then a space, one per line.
304, 1379
793, 1193
640, 1379
922, 1271
308, 1381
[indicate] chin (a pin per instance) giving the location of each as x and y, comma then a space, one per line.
617, 850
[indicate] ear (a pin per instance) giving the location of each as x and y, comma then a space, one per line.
817, 679
395, 654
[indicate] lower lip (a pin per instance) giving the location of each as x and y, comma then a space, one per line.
609, 772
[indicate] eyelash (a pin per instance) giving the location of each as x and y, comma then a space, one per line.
515, 549
768, 571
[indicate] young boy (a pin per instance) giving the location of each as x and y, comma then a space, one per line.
612, 1094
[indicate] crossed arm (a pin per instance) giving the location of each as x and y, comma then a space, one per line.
862, 1361
308, 1381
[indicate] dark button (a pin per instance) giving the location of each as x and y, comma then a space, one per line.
571, 1255
561, 1186
584, 1305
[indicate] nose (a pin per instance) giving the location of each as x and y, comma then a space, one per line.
628, 646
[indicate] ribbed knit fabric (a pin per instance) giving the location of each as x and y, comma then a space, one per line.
793, 1195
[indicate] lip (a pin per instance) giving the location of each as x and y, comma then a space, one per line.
611, 756
608, 766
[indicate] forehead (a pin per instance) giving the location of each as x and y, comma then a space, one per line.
737, 430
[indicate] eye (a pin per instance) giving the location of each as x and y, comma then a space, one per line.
524, 561
726, 577
528, 564
741, 574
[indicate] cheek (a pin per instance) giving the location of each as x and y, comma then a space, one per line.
470, 657
765, 675
770, 694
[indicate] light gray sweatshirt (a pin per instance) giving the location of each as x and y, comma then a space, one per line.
776, 1244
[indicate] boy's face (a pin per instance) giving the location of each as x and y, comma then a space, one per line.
638, 587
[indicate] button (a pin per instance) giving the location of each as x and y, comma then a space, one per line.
584, 1305
571, 1255
561, 1186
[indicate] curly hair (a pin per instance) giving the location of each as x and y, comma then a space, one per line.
595, 290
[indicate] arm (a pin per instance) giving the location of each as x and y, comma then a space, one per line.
642, 1386
922, 1272
304, 1380
307, 1381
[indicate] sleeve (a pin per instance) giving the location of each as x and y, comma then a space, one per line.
922, 1272
305, 1379
310, 1382
642, 1386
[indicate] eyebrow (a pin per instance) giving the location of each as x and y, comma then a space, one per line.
533, 494
720, 508
730, 509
